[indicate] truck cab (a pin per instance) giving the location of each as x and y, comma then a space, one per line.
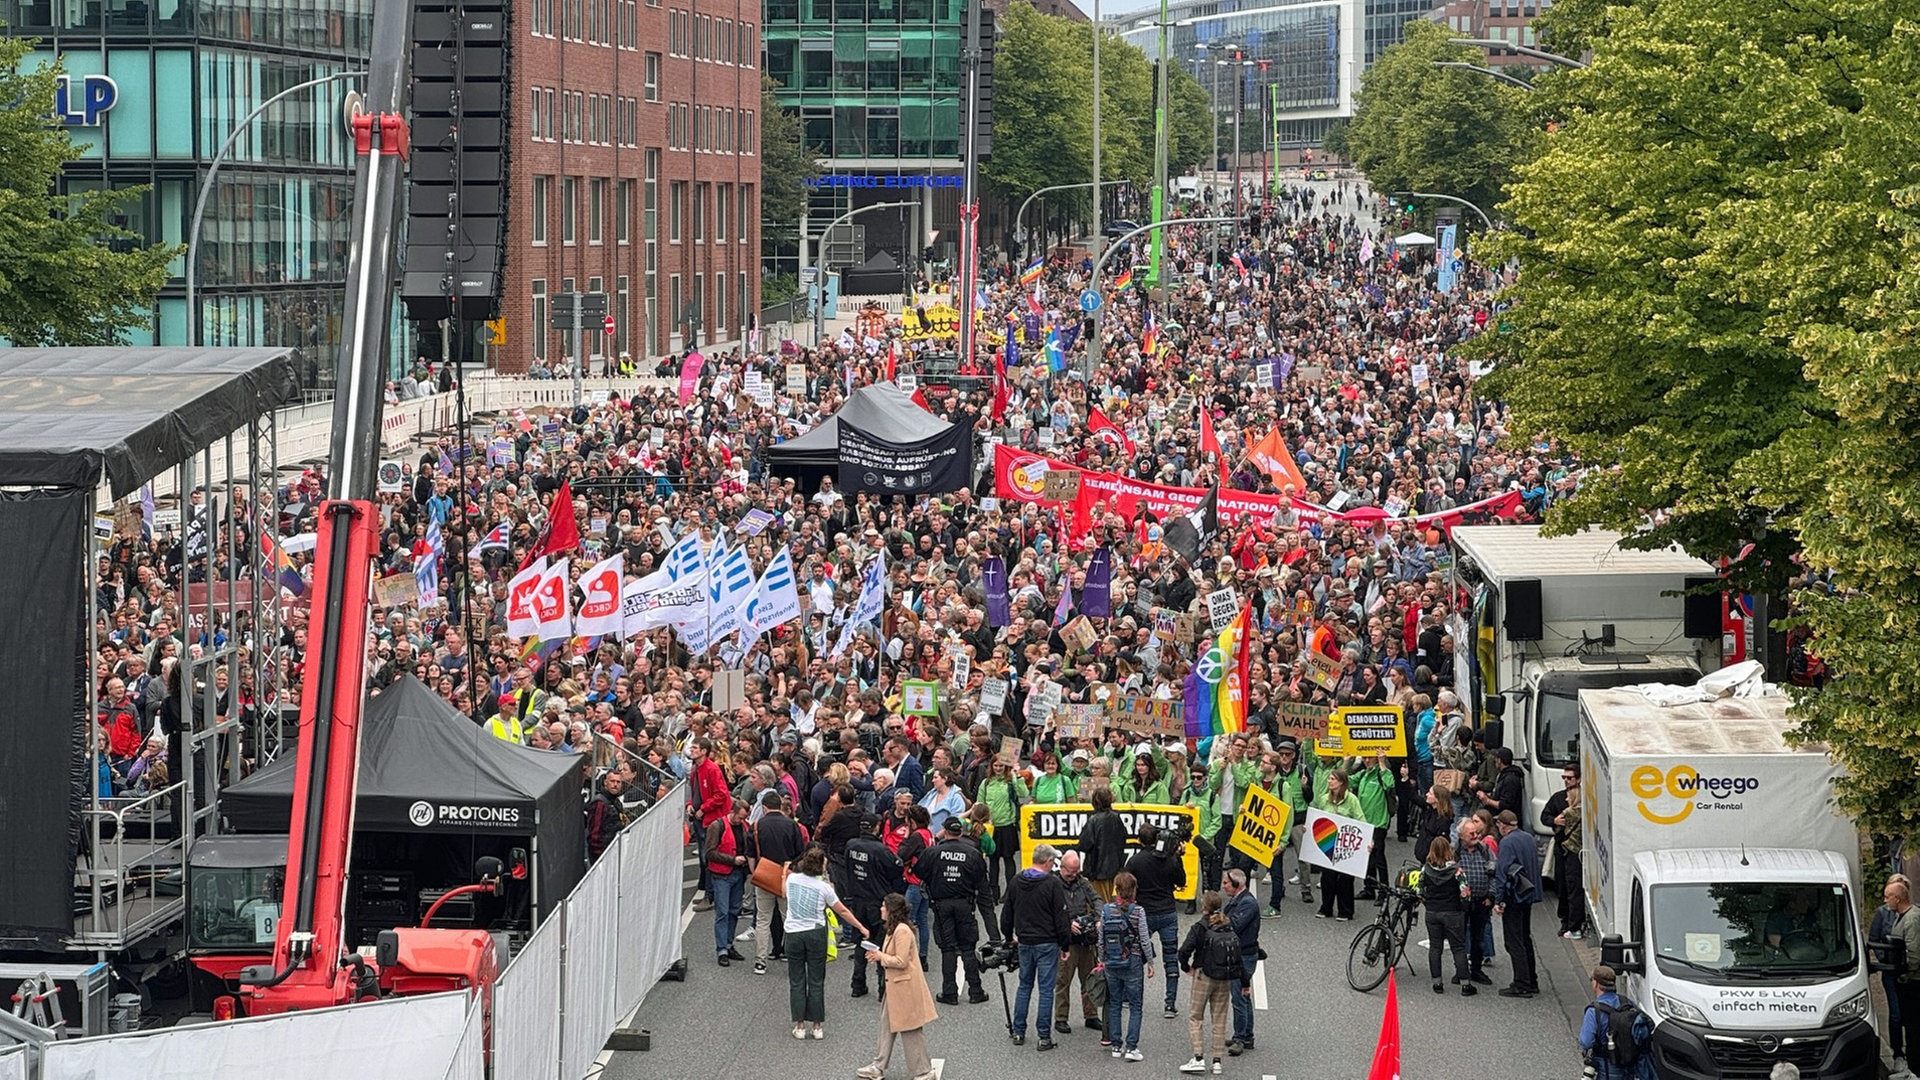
1747, 958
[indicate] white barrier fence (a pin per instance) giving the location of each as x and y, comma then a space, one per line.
588, 965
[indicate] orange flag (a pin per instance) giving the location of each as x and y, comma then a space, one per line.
1270, 456
1386, 1053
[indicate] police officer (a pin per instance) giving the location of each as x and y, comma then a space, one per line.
872, 873
954, 871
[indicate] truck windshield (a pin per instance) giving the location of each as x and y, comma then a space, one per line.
1556, 708
235, 906
1740, 931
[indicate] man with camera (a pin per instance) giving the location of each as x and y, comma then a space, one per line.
1083, 909
1035, 918
1161, 870
953, 872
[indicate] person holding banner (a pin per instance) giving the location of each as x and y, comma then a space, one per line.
1373, 783
1212, 855
1336, 889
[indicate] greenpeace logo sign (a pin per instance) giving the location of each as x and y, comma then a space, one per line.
1671, 797
424, 814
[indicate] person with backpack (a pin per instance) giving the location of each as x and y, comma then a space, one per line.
1211, 956
1444, 894
1615, 1036
1126, 955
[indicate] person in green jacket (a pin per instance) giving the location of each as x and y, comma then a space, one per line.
1002, 791
1336, 889
1373, 782
1292, 784
1145, 782
1053, 787
1211, 853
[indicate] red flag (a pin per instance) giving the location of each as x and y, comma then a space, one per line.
1209, 443
1082, 524
920, 398
1098, 424
893, 361
562, 533
1386, 1053
1000, 392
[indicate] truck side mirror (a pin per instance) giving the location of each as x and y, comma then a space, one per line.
1615, 952
1495, 705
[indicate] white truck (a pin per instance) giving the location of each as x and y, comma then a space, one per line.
1547, 617
1725, 887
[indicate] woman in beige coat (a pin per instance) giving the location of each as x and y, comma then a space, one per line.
906, 1004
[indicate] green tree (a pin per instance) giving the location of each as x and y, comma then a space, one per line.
1334, 142
1418, 127
68, 275
1714, 312
1190, 125
786, 164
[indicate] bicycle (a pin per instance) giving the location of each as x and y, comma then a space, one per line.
1382, 944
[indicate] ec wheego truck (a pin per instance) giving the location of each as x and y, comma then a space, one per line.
1543, 618
1725, 886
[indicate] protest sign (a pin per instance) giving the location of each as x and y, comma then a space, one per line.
1060, 825
1144, 714
919, 698
1322, 670
1010, 749
1222, 607
1301, 720
1078, 721
993, 696
1060, 485
1260, 829
1337, 843
1042, 702
1079, 634
1366, 730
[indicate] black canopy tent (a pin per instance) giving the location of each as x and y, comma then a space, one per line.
437, 790
878, 276
881, 409
72, 420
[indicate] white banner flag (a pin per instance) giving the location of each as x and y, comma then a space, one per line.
521, 620
728, 590
600, 604
553, 603
776, 599
872, 600
644, 607
1338, 843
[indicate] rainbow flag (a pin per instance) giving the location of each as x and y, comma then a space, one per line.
1230, 692
283, 569
1032, 273
1150, 336
1124, 281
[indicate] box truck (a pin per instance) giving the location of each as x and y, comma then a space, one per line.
1543, 618
1725, 886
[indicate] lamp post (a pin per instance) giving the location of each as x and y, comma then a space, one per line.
819, 271
1487, 71
1239, 108
1488, 222
1161, 113
1096, 128
206, 189
1502, 46
1099, 267
1022, 215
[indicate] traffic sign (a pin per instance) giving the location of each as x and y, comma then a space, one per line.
497, 330
609, 324
1090, 301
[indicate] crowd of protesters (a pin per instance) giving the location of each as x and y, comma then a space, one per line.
907, 826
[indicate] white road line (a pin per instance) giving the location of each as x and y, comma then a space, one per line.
941, 1063
686, 919
1268, 1076
690, 861
1260, 985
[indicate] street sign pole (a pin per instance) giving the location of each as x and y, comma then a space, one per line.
579, 358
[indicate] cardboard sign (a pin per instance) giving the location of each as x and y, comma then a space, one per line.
1079, 634
1322, 670
1042, 703
1337, 843
1010, 747
1185, 630
1365, 730
1260, 828
797, 380
1045, 436
908, 382
1078, 721
962, 669
1061, 824
1144, 714
1263, 373
993, 696
395, 590
1223, 606
1301, 719
390, 477
1061, 485
919, 698
1419, 373
1163, 629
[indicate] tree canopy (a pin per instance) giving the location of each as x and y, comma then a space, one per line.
1715, 312
786, 164
1417, 127
61, 282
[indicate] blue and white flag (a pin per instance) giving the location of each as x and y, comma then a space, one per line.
1449, 259
685, 559
728, 590
426, 581
776, 600
872, 600
496, 540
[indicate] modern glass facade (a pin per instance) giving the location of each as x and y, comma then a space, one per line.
876, 85
272, 251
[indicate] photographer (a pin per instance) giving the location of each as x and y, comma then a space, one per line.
1083, 908
1035, 917
1160, 869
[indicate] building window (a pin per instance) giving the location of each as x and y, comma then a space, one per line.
539, 223
677, 33
722, 202
674, 311
546, 119
652, 79
596, 211
745, 50
541, 25
697, 310
741, 310
569, 208
621, 314
700, 213
533, 123
537, 333
676, 203
746, 210
623, 211
720, 304
702, 39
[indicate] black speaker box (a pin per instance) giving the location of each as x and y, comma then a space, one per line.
1702, 614
1523, 620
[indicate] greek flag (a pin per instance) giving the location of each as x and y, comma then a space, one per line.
872, 600
776, 599
684, 559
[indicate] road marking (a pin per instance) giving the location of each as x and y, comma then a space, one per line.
686, 919
690, 861
1260, 985
941, 1063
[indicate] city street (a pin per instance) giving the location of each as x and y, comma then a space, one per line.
1308, 1023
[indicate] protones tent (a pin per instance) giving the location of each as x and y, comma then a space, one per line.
882, 411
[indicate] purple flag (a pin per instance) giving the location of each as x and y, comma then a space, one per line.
1065, 607
1196, 724
1096, 600
993, 575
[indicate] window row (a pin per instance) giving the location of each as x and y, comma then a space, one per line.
580, 117
710, 129
706, 37
609, 207
681, 318
702, 212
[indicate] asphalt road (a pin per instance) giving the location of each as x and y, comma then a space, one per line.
729, 1022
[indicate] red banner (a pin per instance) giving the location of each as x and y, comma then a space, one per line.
1021, 476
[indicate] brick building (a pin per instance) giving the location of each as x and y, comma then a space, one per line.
635, 171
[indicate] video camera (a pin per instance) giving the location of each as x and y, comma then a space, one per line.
1000, 954
1173, 838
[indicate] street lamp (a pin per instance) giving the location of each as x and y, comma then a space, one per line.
1487, 71
206, 189
1492, 45
1488, 222
1099, 267
1022, 215
819, 271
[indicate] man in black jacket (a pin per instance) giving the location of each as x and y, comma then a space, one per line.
1035, 917
1509, 786
953, 872
776, 836
872, 873
1161, 873
1103, 841
1083, 909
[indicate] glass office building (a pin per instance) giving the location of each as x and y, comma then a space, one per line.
1306, 55
153, 89
876, 85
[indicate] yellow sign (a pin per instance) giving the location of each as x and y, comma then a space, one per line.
1364, 730
934, 321
1060, 825
1260, 828
497, 331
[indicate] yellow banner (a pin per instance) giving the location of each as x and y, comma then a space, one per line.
1060, 825
1364, 730
1260, 828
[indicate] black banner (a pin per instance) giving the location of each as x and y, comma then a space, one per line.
941, 464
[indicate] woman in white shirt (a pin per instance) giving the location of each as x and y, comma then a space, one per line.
809, 897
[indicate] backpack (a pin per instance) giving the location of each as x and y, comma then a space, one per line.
1624, 1052
1220, 957
1117, 945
